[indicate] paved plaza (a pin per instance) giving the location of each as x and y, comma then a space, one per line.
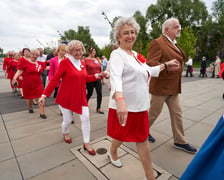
33, 148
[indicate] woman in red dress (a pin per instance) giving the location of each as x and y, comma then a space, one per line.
12, 68
25, 55
71, 95
32, 84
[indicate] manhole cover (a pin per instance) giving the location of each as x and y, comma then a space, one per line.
101, 151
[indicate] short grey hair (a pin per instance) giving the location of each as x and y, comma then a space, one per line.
168, 23
121, 22
72, 44
35, 50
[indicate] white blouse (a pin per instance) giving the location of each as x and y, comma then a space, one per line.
131, 77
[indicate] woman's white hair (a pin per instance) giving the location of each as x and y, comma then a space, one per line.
72, 44
35, 50
121, 22
168, 23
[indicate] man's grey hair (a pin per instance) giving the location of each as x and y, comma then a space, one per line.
168, 23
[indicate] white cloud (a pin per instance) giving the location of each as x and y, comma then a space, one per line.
24, 22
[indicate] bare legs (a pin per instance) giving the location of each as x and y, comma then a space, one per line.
113, 149
29, 103
143, 149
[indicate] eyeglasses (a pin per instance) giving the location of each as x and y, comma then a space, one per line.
77, 50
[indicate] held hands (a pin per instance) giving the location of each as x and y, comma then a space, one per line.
103, 74
41, 101
14, 81
173, 65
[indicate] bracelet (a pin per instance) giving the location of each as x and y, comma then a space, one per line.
44, 96
165, 65
119, 98
96, 75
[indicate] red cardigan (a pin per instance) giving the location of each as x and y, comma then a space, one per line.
72, 91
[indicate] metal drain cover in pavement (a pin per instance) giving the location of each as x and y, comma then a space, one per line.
101, 151
101, 167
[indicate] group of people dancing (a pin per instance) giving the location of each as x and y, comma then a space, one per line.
131, 113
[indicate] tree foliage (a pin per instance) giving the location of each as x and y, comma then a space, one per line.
82, 34
190, 13
187, 42
141, 44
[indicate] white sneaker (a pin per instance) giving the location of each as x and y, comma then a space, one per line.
116, 163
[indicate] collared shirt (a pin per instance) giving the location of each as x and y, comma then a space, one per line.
42, 58
189, 62
131, 77
173, 42
74, 61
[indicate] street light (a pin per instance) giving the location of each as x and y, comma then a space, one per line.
40, 43
105, 17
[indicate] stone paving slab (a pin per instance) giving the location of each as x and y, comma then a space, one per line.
70, 171
42, 160
32, 148
101, 167
9, 170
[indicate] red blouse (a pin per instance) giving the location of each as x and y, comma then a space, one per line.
92, 66
72, 91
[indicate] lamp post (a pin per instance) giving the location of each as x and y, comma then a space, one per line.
105, 17
40, 43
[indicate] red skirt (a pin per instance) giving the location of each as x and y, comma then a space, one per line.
135, 130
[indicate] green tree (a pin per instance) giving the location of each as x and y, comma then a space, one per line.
191, 13
106, 50
187, 42
211, 36
83, 34
216, 33
1, 52
141, 43
218, 9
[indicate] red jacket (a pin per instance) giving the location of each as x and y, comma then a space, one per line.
72, 91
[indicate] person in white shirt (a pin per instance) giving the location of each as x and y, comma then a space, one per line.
189, 64
42, 58
129, 95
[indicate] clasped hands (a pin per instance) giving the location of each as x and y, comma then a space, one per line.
103, 74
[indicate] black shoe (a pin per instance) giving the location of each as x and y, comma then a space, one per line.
72, 122
151, 139
186, 147
30, 110
223, 96
21, 97
99, 111
43, 116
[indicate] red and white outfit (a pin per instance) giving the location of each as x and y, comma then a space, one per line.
72, 93
131, 77
32, 84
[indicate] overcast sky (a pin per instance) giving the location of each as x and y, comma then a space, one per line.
30, 23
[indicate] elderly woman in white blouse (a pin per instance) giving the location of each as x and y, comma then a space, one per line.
129, 96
